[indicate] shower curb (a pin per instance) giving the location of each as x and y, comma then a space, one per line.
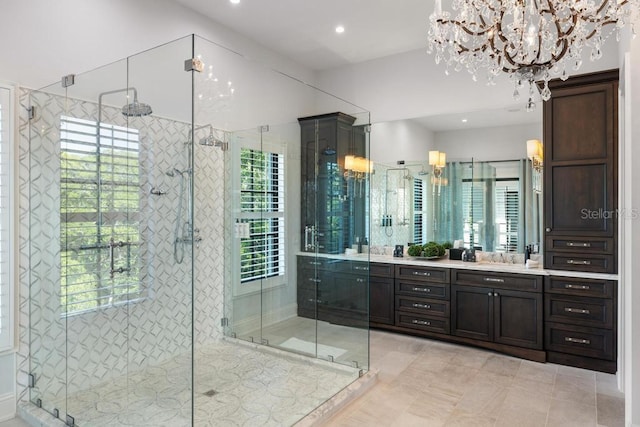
322, 414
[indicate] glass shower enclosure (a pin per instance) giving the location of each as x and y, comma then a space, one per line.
164, 214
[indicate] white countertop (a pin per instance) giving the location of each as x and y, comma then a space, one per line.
483, 266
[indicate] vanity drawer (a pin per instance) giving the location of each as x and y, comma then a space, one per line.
580, 287
422, 289
579, 261
430, 274
582, 311
600, 245
317, 263
381, 270
422, 306
423, 323
520, 282
579, 340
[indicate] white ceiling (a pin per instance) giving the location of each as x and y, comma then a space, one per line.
304, 30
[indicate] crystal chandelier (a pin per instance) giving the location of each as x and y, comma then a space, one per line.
532, 40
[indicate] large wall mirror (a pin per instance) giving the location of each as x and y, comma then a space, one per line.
484, 194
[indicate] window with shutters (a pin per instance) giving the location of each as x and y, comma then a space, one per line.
262, 208
99, 215
7, 234
507, 200
419, 212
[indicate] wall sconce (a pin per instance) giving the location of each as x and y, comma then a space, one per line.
357, 168
535, 154
437, 161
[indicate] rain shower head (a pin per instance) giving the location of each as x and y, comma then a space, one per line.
210, 141
136, 109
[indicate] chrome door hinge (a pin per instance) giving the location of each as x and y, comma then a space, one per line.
194, 64
224, 321
68, 80
31, 111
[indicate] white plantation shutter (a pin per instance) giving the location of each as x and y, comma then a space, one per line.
100, 199
262, 206
419, 212
507, 199
6, 217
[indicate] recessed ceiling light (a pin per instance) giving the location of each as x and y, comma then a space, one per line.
234, 1
464, 120
339, 29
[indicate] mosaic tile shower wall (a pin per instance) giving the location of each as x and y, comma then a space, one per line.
95, 346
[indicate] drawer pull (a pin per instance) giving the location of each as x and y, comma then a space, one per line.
493, 279
421, 322
314, 263
356, 267
314, 280
578, 262
582, 287
576, 310
577, 340
360, 280
421, 273
579, 245
416, 305
422, 289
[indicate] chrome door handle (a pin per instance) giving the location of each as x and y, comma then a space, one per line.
582, 287
421, 322
426, 306
579, 245
576, 310
578, 262
577, 340
493, 279
422, 289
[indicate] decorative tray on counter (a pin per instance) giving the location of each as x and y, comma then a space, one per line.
427, 258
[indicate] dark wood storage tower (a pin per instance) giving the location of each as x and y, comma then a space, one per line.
332, 290
328, 199
581, 224
581, 173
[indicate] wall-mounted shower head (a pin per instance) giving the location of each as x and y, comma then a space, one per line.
210, 141
136, 109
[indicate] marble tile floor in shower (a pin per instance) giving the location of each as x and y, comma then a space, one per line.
429, 383
351, 343
236, 384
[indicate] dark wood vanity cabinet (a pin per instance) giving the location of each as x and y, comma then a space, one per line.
581, 173
333, 290
422, 297
580, 322
497, 307
381, 295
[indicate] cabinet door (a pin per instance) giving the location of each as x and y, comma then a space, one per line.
518, 318
579, 167
472, 312
381, 302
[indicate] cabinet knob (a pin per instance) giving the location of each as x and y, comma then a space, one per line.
548, 230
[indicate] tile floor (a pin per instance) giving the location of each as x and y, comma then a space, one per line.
236, 384
430, 383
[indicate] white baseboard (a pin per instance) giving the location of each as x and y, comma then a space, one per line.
252, 323
7, 406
